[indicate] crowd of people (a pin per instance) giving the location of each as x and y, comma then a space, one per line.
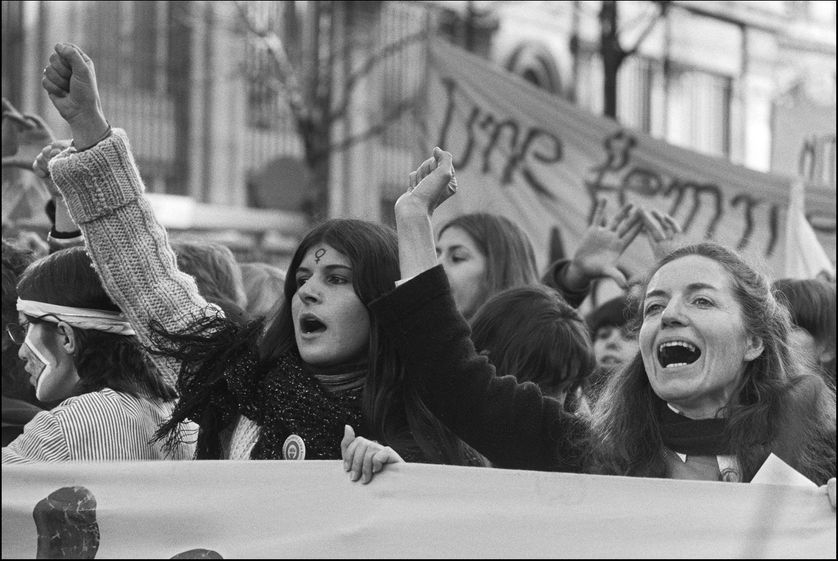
378, 345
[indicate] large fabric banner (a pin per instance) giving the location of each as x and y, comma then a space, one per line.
524, 153
226, 509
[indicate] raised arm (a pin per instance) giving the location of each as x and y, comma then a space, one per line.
597, 254
429, 186
512, 424
104, 194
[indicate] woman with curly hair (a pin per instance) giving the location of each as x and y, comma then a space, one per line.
284, 388
713, 391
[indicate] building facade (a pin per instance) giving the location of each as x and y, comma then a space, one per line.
199, 88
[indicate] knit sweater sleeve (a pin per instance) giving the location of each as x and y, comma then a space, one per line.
129, 248
512, 424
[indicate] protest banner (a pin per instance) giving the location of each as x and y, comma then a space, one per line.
229, 509
542, 161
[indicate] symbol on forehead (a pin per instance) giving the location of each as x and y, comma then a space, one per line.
318, 254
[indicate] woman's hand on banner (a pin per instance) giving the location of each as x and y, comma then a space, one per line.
363, 458
830, 491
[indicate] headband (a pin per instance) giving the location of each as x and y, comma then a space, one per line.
83, 318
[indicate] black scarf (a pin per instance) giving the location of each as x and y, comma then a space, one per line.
288, 400
703, 437
222, 377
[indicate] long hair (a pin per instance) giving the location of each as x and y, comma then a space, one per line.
811, 303
102, 360
778, 407
533, 334
391, 405
510, 258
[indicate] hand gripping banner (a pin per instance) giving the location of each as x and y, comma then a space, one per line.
270, 509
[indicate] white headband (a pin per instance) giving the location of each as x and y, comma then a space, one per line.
83, 318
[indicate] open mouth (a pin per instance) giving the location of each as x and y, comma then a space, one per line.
310, 324
610, 360
677, 353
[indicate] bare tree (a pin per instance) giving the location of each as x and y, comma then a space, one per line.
613, 53
318, 93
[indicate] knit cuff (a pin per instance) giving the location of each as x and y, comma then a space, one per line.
97, 181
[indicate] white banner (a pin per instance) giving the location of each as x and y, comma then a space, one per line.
524, 153
265, 509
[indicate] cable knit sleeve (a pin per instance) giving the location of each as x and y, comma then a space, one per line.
129, 248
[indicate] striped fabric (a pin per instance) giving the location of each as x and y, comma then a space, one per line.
97, 426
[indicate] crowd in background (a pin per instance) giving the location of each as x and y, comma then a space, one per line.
378, 345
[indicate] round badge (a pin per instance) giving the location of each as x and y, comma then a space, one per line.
294, 448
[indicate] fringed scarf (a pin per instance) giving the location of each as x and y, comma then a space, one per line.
222, 377
290, 400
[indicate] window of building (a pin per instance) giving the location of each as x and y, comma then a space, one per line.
698, 110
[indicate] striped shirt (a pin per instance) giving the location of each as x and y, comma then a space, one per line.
98, 426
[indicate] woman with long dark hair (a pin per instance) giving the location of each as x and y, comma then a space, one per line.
285, 389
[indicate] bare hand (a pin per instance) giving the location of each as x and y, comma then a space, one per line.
70, 81
602, 245
41, 164
663, 232
365, 457
431, 184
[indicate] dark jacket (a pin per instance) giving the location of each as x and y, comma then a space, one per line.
512, 424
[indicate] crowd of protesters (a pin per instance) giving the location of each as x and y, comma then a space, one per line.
379, 345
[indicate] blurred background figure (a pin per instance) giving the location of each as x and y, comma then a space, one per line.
812, 306
263, 285
614, 341
19, 401
484, 254
611, 332
533, 334
216, 272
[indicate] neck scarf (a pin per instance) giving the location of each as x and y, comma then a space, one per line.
702, 437
222, 377
289, 400
341, 377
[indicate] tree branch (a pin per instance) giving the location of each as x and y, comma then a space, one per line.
367, 67
287, 75
376, 129
663, 6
